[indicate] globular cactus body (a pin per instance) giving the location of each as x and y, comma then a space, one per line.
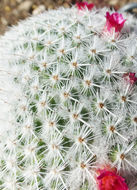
68, 102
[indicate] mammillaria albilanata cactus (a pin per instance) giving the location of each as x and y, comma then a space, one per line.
68, 101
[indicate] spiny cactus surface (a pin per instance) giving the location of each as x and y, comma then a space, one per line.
68, 102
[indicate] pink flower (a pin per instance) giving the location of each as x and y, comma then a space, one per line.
114, 21
83, 5
130, 78
110, 180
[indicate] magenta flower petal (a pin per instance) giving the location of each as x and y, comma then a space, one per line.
110, 180
130, 78
90, 6
115, 20
83, 5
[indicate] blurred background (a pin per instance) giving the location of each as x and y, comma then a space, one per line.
11, 11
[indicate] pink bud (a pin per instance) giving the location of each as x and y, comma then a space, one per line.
83, 5
115, 20
130, 78
108, 179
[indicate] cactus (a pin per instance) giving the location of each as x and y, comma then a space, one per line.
68, 101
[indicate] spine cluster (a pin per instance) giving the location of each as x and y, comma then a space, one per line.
68, 101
